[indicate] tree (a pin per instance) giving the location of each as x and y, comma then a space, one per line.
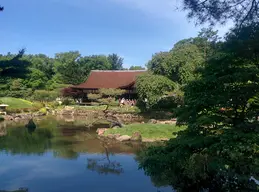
45, 96
159, 63
137, 68
42, 63
219, 150
179, 64
14, 66
94, 62
70, 69
69, 92
115, 61
151, 88
241, 12
36, 79
106, 96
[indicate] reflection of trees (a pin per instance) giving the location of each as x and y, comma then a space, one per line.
64, 150
158, 180
66, 153
104, 165
21, 140
19, 190
31, 126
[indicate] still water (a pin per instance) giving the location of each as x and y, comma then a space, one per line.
59, 156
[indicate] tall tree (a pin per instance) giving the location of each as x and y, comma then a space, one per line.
180, 63
94, 62
219, 149
151, 88
115, 61
68, 66
14, 66
220, 11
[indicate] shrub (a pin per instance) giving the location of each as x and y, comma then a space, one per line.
111, 92
109, 101
12, 110
68, 101
37, 105
43, 110
26, 110
53, 104
45, 96
94, 97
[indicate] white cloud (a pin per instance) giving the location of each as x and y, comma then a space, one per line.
166, 9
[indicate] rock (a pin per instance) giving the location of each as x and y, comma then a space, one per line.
123, 138
136, 137
17, 119
110, 136
8, 118
31, 126
69, 108
116, 135
152, 121
113, 136
101, 131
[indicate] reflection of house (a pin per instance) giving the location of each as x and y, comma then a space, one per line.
119, 79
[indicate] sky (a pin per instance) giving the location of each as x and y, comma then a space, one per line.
134, 29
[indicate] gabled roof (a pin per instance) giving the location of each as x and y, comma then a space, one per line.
110, 79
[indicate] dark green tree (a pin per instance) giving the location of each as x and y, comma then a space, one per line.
42, 63
151, 88
69, 68
219, 150
159, 63
115, 61
241, 12
94, 62
179, 64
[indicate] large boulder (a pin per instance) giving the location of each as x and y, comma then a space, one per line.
123, 138
136, 137
113, 136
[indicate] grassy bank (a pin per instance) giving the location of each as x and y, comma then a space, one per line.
15, 103
149, 131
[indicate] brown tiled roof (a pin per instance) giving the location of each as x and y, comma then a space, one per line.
110, 79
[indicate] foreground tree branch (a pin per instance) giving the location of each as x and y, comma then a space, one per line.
241, 12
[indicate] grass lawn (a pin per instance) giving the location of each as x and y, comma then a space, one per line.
15, 103
149, 131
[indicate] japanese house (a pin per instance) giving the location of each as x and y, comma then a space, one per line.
118, 79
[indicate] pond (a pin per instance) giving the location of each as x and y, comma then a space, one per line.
61, 156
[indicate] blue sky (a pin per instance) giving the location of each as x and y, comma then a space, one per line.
134, 29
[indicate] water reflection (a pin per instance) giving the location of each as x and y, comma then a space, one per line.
104, 165
55, 156
31, 126
19, 190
